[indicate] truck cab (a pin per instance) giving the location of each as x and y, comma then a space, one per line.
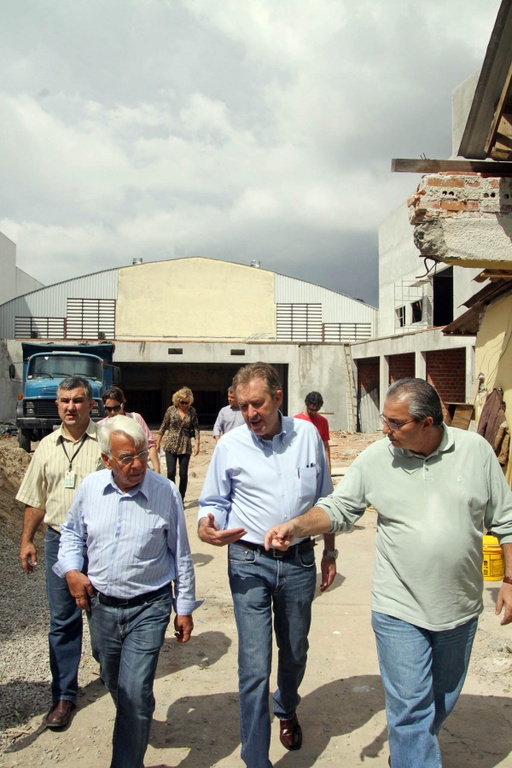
44, 369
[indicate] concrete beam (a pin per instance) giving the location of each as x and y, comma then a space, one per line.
464, 219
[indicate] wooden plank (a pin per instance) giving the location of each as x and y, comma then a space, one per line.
486, 167
492, 274
462, 415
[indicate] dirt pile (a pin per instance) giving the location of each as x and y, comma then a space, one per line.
13, 464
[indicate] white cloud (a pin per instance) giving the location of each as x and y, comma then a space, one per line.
222, 128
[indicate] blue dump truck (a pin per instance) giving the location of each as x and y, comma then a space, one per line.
44, 367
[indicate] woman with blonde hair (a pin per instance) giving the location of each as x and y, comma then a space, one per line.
178, 427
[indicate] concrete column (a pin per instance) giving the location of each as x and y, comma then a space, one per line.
420, 365
384, 380
471, 374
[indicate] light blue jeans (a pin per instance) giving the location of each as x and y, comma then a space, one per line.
126, 642
65, 635
262, 586
422, 673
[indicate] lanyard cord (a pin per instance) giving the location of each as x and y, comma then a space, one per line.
81, 441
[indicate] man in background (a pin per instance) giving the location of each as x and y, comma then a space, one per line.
314, 402
229, 417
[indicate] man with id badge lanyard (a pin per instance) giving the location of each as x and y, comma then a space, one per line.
58, 466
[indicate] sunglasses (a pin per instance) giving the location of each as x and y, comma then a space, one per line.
184, 402
113, 408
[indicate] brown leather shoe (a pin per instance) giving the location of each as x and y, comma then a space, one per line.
59, 714
291, 733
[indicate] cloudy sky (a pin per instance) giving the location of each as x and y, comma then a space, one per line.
229, 129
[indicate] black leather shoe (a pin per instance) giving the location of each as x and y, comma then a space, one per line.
59, 714
290, 733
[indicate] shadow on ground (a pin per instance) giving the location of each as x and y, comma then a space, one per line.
478, 734
204, 650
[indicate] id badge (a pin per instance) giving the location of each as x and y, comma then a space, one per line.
69, 479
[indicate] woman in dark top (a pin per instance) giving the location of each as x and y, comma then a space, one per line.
178, 427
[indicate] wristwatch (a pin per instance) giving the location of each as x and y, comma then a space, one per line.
331, 553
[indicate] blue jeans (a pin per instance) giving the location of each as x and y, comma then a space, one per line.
260, 586
65, 635
126, 642
423, 673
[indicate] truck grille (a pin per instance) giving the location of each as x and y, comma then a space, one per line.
46, 409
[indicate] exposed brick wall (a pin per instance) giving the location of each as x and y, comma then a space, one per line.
368, 374
446, 371
401, 366
477, 202
465, 195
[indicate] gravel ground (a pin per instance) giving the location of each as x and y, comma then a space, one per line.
24, 672
23, 628
24, 669
25, 677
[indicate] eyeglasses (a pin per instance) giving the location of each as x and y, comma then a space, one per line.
394, 425
184, 402
113, 408
142, 456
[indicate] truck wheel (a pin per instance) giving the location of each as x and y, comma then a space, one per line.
24, 436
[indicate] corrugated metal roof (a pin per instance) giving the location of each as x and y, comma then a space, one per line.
336, 307
51, 301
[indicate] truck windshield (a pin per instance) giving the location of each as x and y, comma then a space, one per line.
65, 365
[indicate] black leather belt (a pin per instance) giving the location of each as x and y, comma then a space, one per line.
303, 546
121, 602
